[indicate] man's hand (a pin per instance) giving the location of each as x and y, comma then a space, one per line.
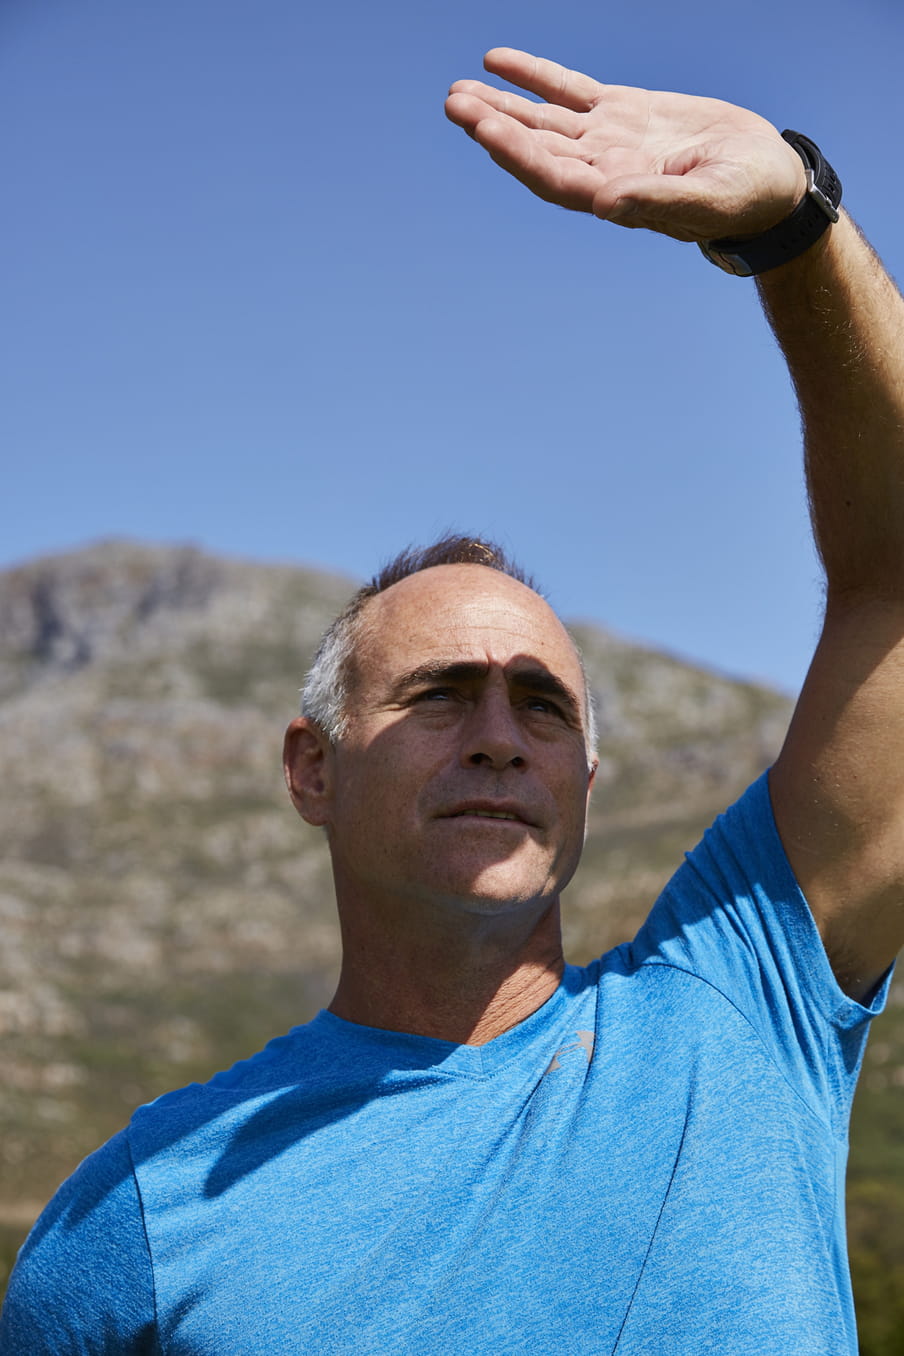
688, 167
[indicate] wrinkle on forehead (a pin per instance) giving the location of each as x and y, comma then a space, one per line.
464, 612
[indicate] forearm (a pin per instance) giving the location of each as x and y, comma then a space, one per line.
840, 322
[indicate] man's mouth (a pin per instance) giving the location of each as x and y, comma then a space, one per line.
489, 814
510, 813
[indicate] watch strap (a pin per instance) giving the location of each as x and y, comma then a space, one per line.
796, 233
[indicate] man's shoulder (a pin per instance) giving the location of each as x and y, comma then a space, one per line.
83, 1277
270, 1070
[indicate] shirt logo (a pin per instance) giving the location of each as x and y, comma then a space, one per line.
584, 1042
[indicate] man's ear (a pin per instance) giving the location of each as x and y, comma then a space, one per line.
308, 769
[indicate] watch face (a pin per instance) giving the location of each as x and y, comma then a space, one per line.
733, 263
726, 260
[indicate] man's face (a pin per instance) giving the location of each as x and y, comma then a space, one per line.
462, 780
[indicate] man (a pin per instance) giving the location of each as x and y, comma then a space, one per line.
478, 1149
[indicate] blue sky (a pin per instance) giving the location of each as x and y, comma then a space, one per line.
259, 295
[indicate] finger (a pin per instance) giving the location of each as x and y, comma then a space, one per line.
471, 113
543, 117
563, 179
496, 131
555, 83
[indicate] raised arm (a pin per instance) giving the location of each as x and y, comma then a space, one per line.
838, 785
698, 169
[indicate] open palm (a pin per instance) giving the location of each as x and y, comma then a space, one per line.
689, 167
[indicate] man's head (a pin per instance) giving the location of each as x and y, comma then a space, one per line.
326, 690
444, 744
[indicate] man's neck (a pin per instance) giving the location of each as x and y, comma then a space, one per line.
460, 984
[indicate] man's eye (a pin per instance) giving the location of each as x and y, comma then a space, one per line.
544, 706
435, 694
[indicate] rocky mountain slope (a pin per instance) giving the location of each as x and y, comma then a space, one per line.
163, 911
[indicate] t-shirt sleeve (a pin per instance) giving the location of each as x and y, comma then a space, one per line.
735, 916
83, 1285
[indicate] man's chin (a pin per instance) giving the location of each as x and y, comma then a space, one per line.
494, 893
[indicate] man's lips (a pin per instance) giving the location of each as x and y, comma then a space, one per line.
490, 809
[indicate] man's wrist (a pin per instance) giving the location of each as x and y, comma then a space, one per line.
798, 232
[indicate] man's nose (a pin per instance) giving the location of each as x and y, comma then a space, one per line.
493, 736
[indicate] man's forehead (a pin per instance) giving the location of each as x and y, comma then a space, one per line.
466, 611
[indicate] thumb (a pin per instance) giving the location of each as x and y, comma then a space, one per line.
697, 205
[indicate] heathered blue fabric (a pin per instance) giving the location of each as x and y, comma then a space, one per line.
653, 1161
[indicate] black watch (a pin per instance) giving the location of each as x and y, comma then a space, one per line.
811, 217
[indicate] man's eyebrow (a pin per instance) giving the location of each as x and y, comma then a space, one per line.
533, 677
539, 679
437, 671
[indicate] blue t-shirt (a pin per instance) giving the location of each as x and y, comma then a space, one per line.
654, 1160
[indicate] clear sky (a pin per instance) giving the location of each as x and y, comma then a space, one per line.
259, 295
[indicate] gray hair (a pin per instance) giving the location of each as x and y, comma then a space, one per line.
324, 697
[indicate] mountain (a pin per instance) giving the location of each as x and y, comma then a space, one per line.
163, 911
